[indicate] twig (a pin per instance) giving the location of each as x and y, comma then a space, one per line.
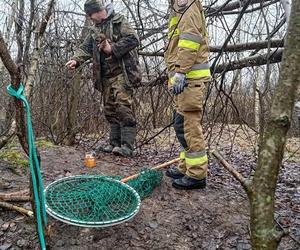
163, 165
152, 137
18, 209
230, 169
287, 233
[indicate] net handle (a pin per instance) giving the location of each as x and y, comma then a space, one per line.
163, 165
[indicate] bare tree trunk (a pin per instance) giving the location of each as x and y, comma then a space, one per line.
263, 228
36, 52
74, 100
6, 138
15, 81
256, 89
8, 30
73, 108
261, 190
15, 74
286, 4
10, 124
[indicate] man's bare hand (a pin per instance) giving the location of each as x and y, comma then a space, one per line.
71, 64
105, 46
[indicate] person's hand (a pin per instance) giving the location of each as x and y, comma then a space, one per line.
105, 46
71, 64
178, 82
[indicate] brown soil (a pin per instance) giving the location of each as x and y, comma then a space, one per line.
214, 218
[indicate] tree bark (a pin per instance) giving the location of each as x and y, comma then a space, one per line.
36, 51
74, 100
263, 228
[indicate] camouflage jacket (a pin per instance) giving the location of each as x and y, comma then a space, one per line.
124, 57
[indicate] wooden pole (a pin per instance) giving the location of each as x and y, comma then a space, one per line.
164, 165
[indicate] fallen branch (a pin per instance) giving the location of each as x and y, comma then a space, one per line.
18, 209
228, 6
244, 182
251, 61
239, 47
16, 196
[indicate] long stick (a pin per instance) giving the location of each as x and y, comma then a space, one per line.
16, 196
164, 165
19, 209
231, 170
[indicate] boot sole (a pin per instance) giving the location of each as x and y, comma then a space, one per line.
117, 153
103, 151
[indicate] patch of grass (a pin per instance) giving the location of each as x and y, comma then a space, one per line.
14, 157
13, 153
13, 144
44, 144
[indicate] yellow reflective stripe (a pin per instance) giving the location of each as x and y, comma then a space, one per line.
192, 37
196, 161
173, 21
173, 33
194, 74
187, 44
182, 155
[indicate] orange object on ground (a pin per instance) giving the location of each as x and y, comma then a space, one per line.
90, 160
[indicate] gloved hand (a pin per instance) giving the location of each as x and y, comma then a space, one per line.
178, 82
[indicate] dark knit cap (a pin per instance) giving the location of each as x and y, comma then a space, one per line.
93, 6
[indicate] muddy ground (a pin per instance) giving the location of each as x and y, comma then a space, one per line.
214, 218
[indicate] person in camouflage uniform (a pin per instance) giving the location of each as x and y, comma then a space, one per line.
112, 43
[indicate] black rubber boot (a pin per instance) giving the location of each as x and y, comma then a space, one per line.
128, 135
105, 149
114, 139
187, 183
174, 173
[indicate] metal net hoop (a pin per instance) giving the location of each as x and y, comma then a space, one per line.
91, 201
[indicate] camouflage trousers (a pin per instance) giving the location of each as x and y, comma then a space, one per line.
117, 96
187, 125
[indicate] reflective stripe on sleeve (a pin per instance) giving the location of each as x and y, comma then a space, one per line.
173, 21
186, 44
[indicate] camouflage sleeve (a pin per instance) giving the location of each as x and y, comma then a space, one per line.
129, 40
84, 51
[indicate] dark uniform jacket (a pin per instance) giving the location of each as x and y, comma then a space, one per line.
124, 59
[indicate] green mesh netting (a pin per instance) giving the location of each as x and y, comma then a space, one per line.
98, 201
145, 183
91, 200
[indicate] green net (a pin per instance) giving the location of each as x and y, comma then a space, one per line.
145, 183
98, 201
91, 200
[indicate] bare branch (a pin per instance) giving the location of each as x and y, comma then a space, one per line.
244, 182
273, 57
18, 209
